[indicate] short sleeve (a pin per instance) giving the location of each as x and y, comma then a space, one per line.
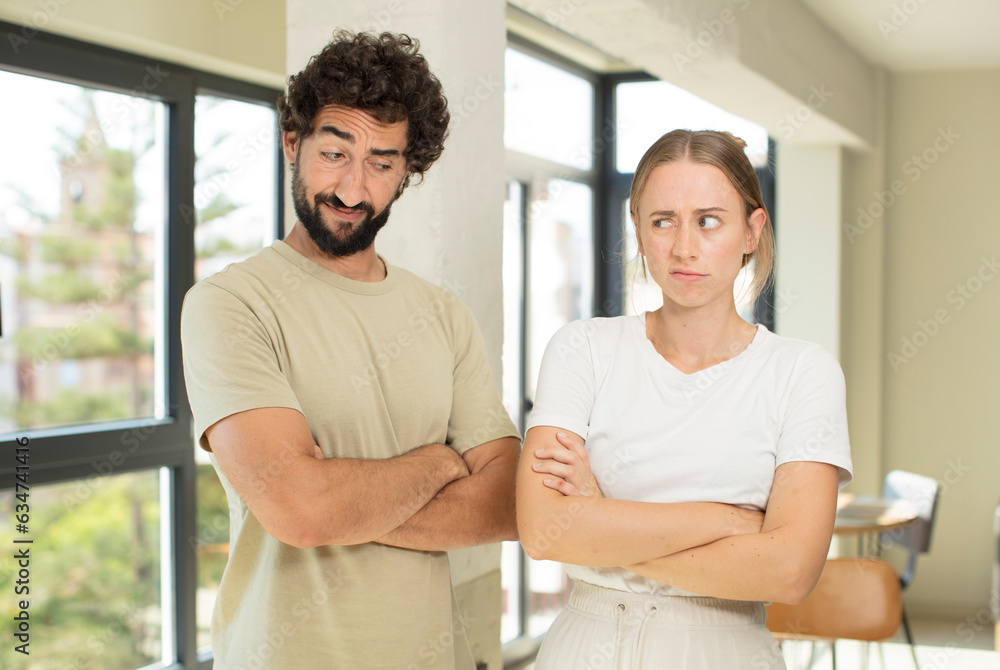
815, 418
230, 364
566, 389
477, 414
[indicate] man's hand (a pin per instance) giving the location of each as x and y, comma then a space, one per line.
442, 456
477, 507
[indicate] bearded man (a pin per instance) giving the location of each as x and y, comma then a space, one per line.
348, 405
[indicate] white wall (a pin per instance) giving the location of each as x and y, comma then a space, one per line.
942, 319
807, 232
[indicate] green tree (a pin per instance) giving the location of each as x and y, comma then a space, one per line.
82, 279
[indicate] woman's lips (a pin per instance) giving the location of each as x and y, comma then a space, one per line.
684, 275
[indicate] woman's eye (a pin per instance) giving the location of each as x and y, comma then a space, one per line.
710, 222
662, 223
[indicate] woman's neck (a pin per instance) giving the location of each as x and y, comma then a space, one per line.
693, 340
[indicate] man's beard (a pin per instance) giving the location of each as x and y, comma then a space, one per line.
359, 239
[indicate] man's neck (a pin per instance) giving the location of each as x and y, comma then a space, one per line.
363, 266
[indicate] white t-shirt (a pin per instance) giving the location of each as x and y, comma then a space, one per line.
655, 434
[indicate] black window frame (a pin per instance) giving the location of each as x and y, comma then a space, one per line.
70, 453
613, 189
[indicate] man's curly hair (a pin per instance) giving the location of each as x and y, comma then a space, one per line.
383, 75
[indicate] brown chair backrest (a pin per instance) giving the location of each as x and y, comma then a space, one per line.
855, 598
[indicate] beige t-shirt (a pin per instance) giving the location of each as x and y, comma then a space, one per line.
377, 369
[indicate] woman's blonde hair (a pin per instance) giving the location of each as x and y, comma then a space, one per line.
724, 151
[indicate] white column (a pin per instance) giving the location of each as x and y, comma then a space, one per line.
808, 232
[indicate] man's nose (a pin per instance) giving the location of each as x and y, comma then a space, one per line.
351, 187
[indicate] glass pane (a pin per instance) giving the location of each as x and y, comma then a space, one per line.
513, 320
538, 121
96, 588
513, 299
548, 594
82, 216
510, 582
235, 191
561, 261
646, 110
561, 258
212, 543
642, 294
236, 178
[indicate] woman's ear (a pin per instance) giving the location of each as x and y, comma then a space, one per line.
755, 224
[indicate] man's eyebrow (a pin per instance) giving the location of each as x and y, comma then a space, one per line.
337, 132
348, 137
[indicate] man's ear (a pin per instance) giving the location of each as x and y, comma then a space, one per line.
290, 145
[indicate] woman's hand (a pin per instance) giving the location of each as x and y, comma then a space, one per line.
743, 521
566, 467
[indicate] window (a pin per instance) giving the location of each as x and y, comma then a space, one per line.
644, 111
548, 273
81, 249
131, 178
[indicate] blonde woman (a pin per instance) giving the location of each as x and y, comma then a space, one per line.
684, 463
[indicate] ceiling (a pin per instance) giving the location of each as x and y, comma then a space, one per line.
908, 35
900, 35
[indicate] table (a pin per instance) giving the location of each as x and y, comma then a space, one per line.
867, 516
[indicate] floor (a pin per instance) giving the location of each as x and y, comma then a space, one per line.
940, 645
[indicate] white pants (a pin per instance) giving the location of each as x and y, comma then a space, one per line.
607, 629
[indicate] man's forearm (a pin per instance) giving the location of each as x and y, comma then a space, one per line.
364, 499
474, 510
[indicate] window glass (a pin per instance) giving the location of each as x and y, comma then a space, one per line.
561, 259
645, 110
235, 191
82, 217
549, 112
99, 574
510, 583
513, 298
236, 177
513, 324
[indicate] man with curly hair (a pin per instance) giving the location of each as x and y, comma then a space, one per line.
348, 405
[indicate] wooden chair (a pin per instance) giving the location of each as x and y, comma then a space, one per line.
855, 598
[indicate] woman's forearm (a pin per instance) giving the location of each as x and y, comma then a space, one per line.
600, 532
781, 563
603, 532
759, 566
